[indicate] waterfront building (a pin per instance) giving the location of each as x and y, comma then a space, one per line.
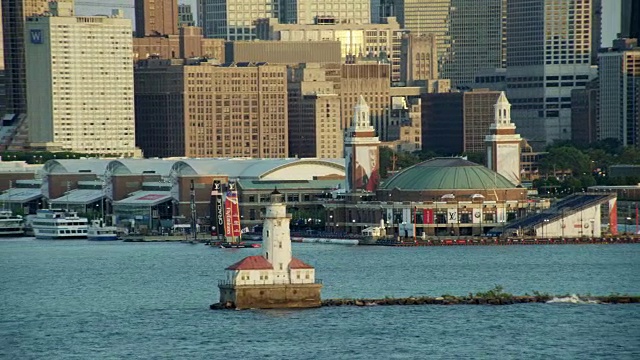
361, 151
548, 55
200, 109
185, 16
502, 143
619, 93
308, 12
457, 123
234, 20
314, 113
80, 83
14, 15
381, 42
274, 279
156, 17
283, 52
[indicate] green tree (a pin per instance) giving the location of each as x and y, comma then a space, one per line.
565, 158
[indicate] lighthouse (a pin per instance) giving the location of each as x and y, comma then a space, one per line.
361, 151
502, 143
274, 279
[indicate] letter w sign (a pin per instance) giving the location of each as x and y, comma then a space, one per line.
36, 36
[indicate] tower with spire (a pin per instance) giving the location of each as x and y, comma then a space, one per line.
502, 143
361, 151
274, 279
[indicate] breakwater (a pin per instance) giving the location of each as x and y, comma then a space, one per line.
446, 241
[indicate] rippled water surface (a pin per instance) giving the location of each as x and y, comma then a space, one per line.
89, 300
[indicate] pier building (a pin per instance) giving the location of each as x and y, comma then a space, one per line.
274, 279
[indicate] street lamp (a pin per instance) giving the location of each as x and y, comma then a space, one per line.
592, 221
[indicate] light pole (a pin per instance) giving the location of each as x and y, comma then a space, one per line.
592, 221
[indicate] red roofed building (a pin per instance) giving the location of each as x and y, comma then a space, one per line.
274, 279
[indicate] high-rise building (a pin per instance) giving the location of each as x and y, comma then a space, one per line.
156, 17
470, 35
205, 110
188, 43
314, 114
371, 81
2, 78
14, 14
548, 55
358, 41
80, 84
619, 93
456, 123
419, 59
584, 113
308, 12
185, 16
234, 19
630, 19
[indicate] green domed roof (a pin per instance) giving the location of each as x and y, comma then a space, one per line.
447, 174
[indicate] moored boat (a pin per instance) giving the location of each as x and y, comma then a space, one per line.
11, 225
240, 245
98, 231
59, 224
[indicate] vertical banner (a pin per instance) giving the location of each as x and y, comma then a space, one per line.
452, 216
427, 216
217, 208
613, 216
232, 212
389, 217
477, 216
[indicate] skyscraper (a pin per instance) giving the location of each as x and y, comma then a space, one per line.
234, 19
307, 12
185, 16
156, 17
14, 13
630, 19
79, 76
548, 55
470, 34
619, 99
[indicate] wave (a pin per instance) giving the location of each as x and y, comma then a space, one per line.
572, 299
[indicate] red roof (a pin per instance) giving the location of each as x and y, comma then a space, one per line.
298, 264
255, 262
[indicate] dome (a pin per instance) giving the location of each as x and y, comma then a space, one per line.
447, 174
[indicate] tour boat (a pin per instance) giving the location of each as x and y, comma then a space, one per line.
98, 231
59, 224
240, 245
11, 225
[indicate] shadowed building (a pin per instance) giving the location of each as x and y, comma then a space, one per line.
283, 52
156, 17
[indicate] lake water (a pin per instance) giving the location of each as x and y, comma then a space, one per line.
92, 300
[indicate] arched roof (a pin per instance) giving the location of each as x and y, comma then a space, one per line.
141, 166
256, 168
71, 166
447, 174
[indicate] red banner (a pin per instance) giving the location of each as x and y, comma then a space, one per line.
427, 216
231, 215
613, 216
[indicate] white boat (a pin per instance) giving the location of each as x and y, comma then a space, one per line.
98, 231
59, 224
11, 225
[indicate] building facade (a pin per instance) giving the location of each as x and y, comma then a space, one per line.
457, 123
189, 43
584, 114
80, 83
234, 19
548, 55
308, 12
185, 15
419, 59
156, 17
283, 52
619, 93
226, 110
379, 41
14, 14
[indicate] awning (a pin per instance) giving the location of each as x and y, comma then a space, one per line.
145, 198
20, 195
79, 196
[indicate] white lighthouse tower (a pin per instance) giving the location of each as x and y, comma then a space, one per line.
276, 238
274, 279
361, 151
502, 143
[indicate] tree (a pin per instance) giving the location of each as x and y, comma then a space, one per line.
566, 158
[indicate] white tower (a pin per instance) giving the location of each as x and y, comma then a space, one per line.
361, 151
276, 245
503, 144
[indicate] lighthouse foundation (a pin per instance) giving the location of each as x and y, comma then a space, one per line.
270, 296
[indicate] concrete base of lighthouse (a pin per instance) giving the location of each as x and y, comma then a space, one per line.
269, 296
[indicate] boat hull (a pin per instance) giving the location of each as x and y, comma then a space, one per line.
103, 237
